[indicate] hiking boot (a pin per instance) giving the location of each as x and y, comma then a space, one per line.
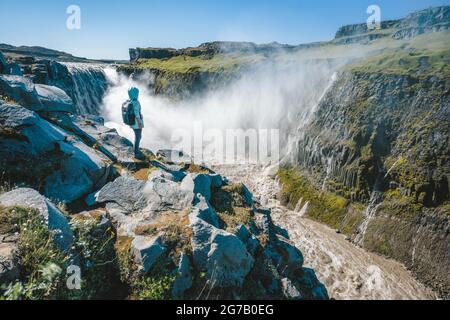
140, 156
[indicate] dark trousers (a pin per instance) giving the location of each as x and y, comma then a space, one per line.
137, 139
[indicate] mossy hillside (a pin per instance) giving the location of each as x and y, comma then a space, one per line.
423, 56
323, 206
187, 64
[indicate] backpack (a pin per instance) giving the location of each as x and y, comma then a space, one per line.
128, 116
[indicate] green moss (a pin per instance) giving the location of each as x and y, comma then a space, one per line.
423, 63
323, 206
229, 197
353, 219
400, 206
239, 216
95, 252
40, 261
188, 64
154, 288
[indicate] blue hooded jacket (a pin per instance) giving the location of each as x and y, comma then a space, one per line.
133, 93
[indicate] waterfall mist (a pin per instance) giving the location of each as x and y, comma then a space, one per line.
277, 94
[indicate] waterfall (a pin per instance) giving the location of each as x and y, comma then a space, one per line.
370, 213
89, 86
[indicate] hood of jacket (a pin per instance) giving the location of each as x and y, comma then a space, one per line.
133, 93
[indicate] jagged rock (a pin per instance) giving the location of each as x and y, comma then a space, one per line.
40, 153
250, 241
171, 172
309, 281
173, 156
54, 99
146, 251
228, 261
289, 290
183, 280
204, 211
198, 184
125, 191
99, 217
54, 218
91, 129
159, 173
165, 194
292, 258
221, 254
150, 197
21, 90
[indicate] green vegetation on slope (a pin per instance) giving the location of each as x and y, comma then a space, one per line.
187, 64
323, 206
424, 56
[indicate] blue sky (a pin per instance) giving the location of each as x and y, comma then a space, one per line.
109, 28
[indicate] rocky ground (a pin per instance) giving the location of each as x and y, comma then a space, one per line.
73, 196
348, 271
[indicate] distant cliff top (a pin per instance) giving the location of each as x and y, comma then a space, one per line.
424, 21
420, 22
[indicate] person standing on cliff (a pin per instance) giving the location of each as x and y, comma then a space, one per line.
131, 111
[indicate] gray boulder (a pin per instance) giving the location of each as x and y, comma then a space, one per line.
183, 280
125, 191
309, 281
169, 194
146, 198
146, 251
292, 258
54, 99
53, 217
204, 211
21, 90
171, 172
251, 242
199, 184
228, 261
221, 254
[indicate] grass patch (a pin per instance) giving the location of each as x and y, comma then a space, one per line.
323, 206
154, 288
421, 63
7, 99
188, 64
239, 216
175, 229
41, 263
193, 168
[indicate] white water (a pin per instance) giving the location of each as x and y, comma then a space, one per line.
348, 271
89, 86
272, 96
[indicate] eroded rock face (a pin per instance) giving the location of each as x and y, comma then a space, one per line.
54, 99
54, 218
22, 90
221, 254
40, 153
183, 280
147, 251
386, 133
